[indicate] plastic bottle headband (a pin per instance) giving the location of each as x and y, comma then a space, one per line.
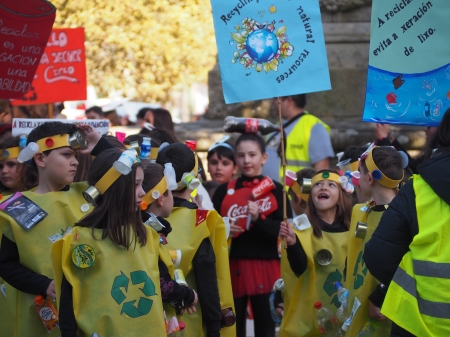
10, 153
377, 174
292, 182
189, 180
93, 193
347, 165
75, 141
221, 142
309, 183
168, 182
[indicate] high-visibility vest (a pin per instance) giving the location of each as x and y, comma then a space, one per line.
418, 299
359, 281
315, 284
297, 143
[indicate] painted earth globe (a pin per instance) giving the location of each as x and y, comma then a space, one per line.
262, 45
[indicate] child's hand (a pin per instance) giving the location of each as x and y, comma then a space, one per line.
92, 137
279, 310
51, 290
253, 210
374, 312
287, 232
235, 230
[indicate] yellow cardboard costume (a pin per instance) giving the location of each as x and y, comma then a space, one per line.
315, 284
188, 232
418, 299
359, 281
119, 294
35, 245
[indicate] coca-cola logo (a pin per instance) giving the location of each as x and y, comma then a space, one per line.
46, 314
262, 186
251, 125
237, 211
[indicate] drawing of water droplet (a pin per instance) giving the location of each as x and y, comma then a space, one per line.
231, 42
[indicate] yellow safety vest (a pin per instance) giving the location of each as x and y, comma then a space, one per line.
418, 299
297, 143
35, 245
119, 295
315, 284
188, 232
359, 282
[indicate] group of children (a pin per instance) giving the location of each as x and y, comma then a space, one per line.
100, 247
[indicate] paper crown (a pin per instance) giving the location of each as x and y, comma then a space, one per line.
10, 153
122, 166
168, 182
380, 177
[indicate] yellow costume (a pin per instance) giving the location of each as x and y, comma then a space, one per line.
315, 284
188, 232
359, 282
64, 208
119, 294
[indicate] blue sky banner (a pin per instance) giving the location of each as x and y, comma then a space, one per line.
270, 48
408, 80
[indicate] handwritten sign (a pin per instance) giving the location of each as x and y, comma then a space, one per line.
270, 48
25, 26
61, 75
23, 126
408, 79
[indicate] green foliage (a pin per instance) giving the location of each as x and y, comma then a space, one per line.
150, 47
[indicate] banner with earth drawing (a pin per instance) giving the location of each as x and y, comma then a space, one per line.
270, 48
408, 80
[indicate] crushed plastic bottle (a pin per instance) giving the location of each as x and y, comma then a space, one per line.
327, 322
342, 311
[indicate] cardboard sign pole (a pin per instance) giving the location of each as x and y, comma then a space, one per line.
283, 162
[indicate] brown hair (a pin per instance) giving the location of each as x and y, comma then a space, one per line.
153, 173
388, 161
343, 211
116, 210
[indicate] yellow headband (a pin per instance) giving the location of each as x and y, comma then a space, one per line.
53, 142
297, 189
10, 153
195, 171
107, 180
354, 165
148, 198
325, 176
378, 175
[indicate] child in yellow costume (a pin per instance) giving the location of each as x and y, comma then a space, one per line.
201, 237
381, 170
315, 257
32, 221
107, 265
157, 203
14, 177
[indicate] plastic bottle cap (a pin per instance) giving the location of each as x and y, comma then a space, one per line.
182, 325
345, 327
338, 285
318, 305
39, 300
84, 208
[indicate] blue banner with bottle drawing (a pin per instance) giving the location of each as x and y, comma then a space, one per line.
408, 80
270, 48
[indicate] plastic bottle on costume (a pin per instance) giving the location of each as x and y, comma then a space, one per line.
22, 141
327, 322
146, 148
369, 328
47, 312
342, 311
249, 125
28, 152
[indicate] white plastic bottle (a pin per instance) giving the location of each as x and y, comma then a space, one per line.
342, 311
28, 152
146, 148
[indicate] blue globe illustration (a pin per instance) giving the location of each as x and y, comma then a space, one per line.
262, 45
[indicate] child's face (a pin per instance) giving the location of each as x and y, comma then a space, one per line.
221, 170
167, 204
9, 174
139, 191
61, 165
325, 195
364, 183
249, 158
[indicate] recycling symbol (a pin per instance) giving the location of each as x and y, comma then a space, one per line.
329, 287
144, 304
359, 279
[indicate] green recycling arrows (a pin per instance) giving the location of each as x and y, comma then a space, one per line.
144, 304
